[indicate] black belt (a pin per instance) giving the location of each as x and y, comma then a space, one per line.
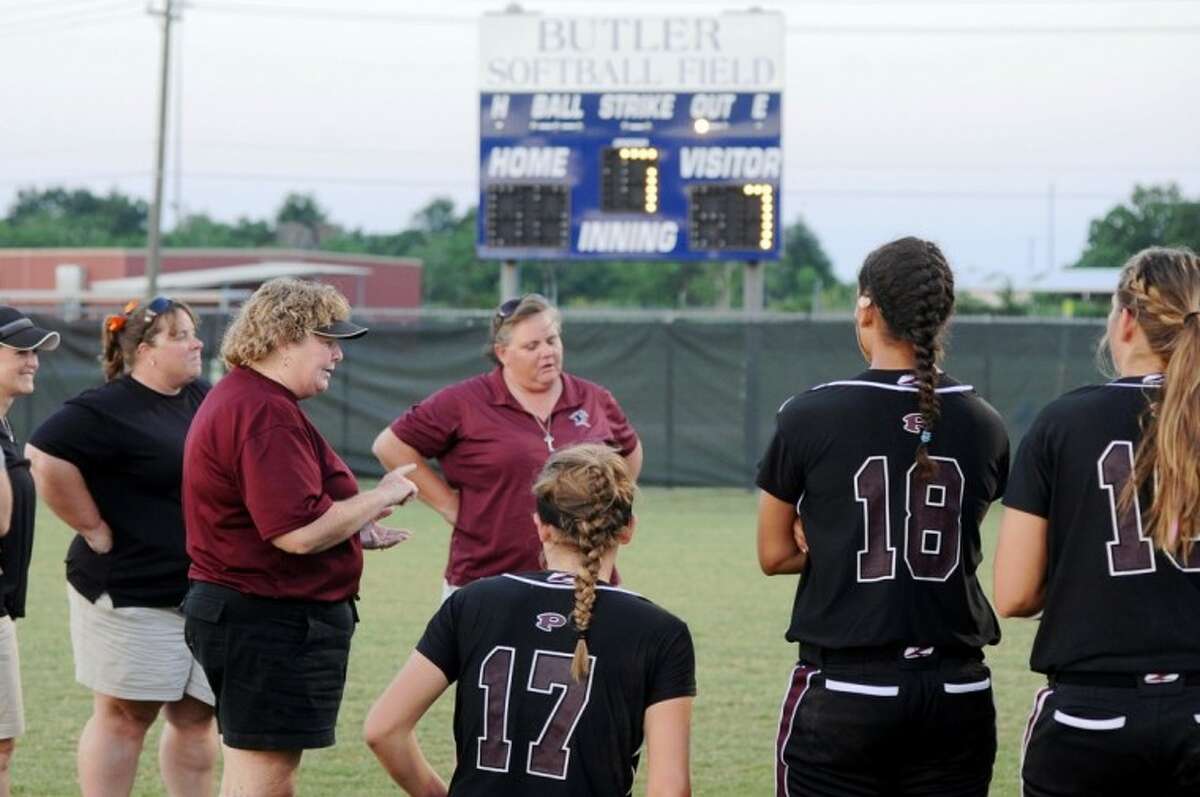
1124, 680
914, 656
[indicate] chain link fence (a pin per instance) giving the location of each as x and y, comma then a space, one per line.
701, 389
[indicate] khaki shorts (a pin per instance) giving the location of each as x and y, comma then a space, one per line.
134, 653
12, 709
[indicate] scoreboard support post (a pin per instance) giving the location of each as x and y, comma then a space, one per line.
752, 287
510, 280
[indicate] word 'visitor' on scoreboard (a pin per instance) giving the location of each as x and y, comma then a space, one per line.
646, 138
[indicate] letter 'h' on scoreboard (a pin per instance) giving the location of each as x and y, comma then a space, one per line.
642, 138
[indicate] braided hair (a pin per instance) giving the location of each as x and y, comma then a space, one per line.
910, 281
585, 491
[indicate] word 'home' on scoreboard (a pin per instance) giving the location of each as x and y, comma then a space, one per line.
642, 138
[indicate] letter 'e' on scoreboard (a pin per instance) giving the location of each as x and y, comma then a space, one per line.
643, 138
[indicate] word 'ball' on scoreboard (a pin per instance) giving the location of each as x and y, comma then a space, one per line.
655, 138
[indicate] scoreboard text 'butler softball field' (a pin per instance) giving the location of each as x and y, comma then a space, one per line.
646, 138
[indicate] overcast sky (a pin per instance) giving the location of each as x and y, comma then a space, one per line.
949, 119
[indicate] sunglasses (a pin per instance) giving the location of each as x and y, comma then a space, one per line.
509, 307
155, 307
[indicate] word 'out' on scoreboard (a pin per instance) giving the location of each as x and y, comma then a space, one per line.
641, 138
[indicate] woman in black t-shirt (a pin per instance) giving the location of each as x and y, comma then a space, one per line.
20, 342
109, 464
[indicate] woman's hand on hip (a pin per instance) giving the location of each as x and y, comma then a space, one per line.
449, 512
98, 538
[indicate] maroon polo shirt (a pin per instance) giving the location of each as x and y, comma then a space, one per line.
254, 467
490, 450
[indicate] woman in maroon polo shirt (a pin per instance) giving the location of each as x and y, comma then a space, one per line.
492, 433
275, 530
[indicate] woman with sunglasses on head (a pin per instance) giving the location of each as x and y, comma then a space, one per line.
874, 489
560, 676
1101, 519
491, 433
20, 342
109, 463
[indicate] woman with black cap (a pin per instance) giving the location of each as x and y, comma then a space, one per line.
276, 526
20, 342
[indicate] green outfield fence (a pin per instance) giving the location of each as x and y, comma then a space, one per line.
702, 389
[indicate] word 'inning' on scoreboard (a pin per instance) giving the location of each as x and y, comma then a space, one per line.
639, 138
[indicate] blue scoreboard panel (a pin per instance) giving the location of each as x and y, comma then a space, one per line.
623, 175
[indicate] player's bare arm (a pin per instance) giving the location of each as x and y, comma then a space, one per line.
1020, 568
668, 740
779, 544
388, 730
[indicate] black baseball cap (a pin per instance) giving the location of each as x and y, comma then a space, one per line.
343, 330
17, 331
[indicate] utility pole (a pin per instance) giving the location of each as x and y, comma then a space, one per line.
1050, 228
154, 253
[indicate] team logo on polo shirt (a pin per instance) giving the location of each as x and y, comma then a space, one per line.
580, 418
548, 621
913, 423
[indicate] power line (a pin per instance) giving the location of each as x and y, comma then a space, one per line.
314, 13
21, 14
74, 23
69, 14
362, 15
997, 30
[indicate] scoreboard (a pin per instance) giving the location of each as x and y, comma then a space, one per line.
646, 138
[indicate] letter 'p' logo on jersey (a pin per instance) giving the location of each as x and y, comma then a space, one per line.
914, 422
548, 621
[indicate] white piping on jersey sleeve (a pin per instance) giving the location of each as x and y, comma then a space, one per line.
571, 587
897, 388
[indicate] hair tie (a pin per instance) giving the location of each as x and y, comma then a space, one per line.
926, 436
581, 635
114, 323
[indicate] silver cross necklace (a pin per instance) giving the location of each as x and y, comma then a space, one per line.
545, 427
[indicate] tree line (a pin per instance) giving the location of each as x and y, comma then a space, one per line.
444, 239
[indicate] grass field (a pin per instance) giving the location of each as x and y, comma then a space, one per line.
693, 554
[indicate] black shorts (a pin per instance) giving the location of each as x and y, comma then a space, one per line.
1113, 740
882, 728
277, 667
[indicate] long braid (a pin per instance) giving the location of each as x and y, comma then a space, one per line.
911, 283
594, 542
585, 491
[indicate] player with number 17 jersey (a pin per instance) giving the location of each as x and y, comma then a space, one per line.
522, 725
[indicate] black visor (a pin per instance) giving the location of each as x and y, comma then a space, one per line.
343, 330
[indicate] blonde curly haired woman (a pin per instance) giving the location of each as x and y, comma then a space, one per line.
275, 530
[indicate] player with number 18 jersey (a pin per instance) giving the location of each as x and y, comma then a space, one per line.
873, 490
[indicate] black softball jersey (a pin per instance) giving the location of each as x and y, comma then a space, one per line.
892, 555
522, 724
1113, 603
